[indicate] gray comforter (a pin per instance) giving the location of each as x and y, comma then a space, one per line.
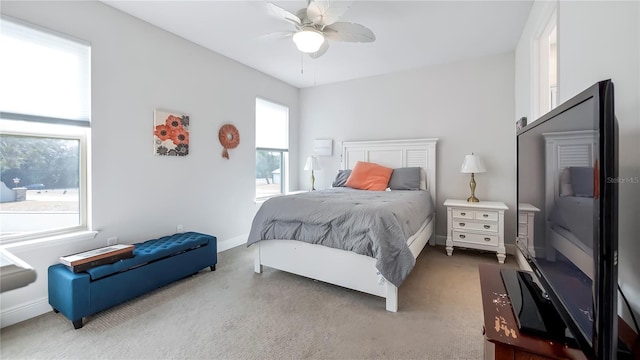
371, 223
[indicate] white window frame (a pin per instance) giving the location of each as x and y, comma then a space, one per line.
540, 61
284, 171
82, 135
36, 125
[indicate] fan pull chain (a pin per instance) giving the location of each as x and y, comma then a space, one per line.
301, 64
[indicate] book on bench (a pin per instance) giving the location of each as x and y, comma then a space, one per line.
101, 256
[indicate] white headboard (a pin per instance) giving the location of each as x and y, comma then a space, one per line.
395, 154
562, 150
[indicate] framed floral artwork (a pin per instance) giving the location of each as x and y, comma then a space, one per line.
170, 133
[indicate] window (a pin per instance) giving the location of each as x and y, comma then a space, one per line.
547, 67
552, 95
44, 131
272, 149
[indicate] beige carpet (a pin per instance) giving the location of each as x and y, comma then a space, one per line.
233, 313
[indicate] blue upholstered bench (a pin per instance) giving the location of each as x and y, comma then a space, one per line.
155, 263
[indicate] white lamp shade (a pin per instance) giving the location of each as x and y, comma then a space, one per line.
312, 163
472, 164
308, 40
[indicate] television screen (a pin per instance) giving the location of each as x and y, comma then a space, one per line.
565, 163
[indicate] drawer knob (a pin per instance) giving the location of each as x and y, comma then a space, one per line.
462, 224
487, 239
463, 214
485, 215
462, 236
487, 226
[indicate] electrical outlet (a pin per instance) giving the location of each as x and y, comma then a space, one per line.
179, 229
112, 240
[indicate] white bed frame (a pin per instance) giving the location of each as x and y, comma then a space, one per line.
346, 268
565, 149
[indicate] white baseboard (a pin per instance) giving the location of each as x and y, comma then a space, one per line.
233, 242
24, 312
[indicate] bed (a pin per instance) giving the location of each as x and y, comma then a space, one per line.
347, 268
570, 157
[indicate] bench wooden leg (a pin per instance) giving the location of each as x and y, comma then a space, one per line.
77, 324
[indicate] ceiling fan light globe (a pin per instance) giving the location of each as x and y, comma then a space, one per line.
308, 41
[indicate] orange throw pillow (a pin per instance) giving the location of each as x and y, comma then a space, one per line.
369, 176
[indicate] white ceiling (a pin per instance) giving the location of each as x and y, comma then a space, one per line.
409, 34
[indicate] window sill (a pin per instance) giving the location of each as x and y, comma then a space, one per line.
45, 240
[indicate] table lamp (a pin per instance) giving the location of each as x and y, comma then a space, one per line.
472, 165
312, 164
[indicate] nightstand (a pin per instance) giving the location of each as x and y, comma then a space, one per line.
477, 225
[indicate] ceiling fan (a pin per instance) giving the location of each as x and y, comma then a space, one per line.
318, 23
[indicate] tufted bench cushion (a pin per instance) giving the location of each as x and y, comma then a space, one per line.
153, 250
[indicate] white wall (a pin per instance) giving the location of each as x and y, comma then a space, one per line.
467, 105
600, 40
137, 68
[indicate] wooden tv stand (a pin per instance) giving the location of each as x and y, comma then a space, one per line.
503, 340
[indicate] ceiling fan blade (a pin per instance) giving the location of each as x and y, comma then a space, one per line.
302, 15
351, 32
277, 35
326, 12
323, 49
283, 14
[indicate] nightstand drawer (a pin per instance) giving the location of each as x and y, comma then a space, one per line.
465, 237
463, 214
471, 225
487, 215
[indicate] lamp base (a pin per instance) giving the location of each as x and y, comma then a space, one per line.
313, 182
472, 185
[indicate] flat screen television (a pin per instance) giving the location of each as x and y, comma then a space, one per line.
567, 166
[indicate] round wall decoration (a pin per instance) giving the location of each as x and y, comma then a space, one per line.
229, 138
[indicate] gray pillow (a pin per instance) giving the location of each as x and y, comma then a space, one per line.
582, 181
341, 178
405, 179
